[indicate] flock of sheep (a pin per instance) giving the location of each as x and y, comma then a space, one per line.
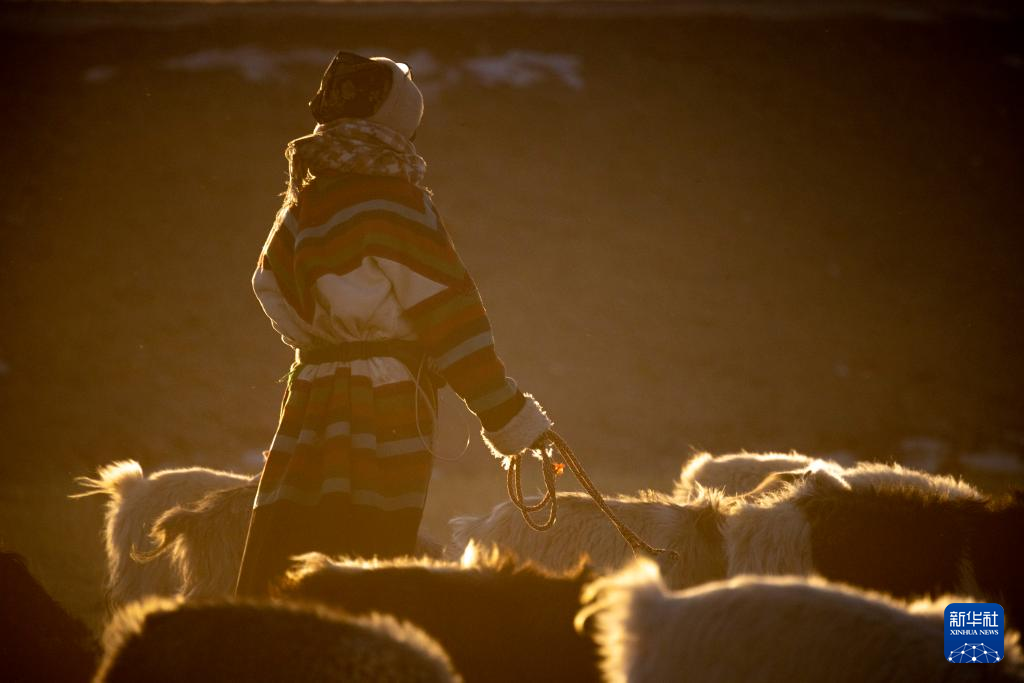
788, 568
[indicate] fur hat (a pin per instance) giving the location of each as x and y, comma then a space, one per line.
377, 89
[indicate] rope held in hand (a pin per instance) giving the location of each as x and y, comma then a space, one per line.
550, 499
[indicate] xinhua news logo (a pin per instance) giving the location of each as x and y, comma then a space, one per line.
974, 633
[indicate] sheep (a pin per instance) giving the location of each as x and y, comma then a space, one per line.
909, 533
739, 473
203, 540
41, 641
883, 527
692, 531
168, 640
688, 522
772, 629
135, 502
886, 528
499, 621
177, 531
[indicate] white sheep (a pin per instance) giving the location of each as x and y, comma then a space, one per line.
203, 540
739, 473
753, 628
134, 504
689, 522
691, 530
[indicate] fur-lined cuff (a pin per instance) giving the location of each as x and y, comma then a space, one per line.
520, 432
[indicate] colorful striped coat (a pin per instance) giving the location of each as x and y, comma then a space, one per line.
368, 258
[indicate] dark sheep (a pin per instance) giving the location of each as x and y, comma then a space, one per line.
499, 621
909, 541
41, 641
168, 641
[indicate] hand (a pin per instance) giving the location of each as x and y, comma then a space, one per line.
526, 429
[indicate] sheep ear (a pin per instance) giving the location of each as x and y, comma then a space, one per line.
826, 479
695, 461
777, 482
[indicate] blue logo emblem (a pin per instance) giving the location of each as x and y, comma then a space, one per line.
974, 633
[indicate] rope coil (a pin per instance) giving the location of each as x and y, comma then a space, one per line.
514, 485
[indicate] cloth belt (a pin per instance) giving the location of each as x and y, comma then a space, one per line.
410, 353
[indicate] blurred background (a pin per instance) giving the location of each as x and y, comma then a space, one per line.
696, 226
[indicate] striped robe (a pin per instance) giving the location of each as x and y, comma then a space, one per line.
365, 258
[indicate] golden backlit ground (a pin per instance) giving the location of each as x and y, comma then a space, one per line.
739, 234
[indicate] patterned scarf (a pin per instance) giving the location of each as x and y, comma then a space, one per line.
351, 146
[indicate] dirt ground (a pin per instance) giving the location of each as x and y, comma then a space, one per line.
739, 233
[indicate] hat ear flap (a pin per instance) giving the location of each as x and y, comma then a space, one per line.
351, 87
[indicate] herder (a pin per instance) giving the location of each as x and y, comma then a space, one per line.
360, 277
